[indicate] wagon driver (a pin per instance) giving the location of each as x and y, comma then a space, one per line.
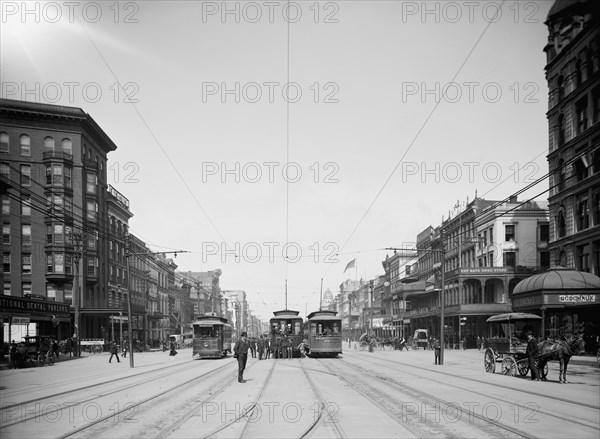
532, 351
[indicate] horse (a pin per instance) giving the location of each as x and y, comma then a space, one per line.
561, 350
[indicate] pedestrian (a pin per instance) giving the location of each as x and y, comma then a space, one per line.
402, 344
55, 347
114, 351
253, 347
290, 348
302, 349
438, 350
125, 349
12, 355
261, 347
240, 351
267, 347
172, 352
531, 351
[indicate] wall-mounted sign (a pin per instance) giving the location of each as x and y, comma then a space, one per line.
20, 320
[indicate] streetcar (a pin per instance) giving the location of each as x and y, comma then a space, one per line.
286, 324
212, 337
323, 333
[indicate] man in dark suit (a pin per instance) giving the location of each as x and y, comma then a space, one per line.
532, 351
241, 351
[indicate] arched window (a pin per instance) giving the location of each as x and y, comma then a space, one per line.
4, 145
67, 146
560, 88
562, 259
562, 224
48, 144
25, 143
561, 130
581, 170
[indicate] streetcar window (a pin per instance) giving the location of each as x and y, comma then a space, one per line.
336, 328
298, 328
313, 328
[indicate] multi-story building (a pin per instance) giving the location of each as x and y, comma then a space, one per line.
205, 291
488, 247
238, 306
54, 218
573, 75
566, 295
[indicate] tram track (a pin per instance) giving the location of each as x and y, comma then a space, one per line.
86, 388
475, 380
122, 414
428, 398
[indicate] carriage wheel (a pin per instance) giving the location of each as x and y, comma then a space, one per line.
40, 360
523, 366
509, 366
489, 361
51, 360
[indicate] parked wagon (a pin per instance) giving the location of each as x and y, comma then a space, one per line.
507, 343
36, 351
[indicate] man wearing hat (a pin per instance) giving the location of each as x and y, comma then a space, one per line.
532, 351
241, 353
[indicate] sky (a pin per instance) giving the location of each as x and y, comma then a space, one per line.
278, 141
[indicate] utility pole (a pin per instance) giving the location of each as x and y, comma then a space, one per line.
128, 253
442, 252
77, 256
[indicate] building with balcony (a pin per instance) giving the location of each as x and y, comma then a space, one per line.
54, 216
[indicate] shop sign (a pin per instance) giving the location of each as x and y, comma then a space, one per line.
20, 320
9, 303
573, 299
520, 302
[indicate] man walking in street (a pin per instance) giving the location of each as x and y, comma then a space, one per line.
532, 351
240, 351
114, 351
261, 347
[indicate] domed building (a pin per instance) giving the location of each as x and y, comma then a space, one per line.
569, 302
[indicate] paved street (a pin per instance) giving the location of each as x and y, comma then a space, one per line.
360, 394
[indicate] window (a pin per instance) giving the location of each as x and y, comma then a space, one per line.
5, 205
5, 171
561, 175
596, 207
68, 180
68, 264
25, 205
561, 130
48, 144
26, 234
92, 210
92, 238
25, 143
26, 289
26, 265
491, 259
583, 258
50, 292
581, 112
509, 259
58, 233
583, 213
4, 144
581, 170
6, 262
544, 232
562, 224
55, 263
91, 266
6, 288
68, 235
92, 183
491, 235
509, 232
25, 175
6, 233
67, 146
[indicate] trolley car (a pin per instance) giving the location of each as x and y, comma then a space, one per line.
212, 337
323, 331
286, 323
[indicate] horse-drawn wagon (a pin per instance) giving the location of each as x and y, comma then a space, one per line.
507, 343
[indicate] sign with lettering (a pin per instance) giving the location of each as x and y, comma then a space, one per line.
9, 303
20, 320
571, 299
